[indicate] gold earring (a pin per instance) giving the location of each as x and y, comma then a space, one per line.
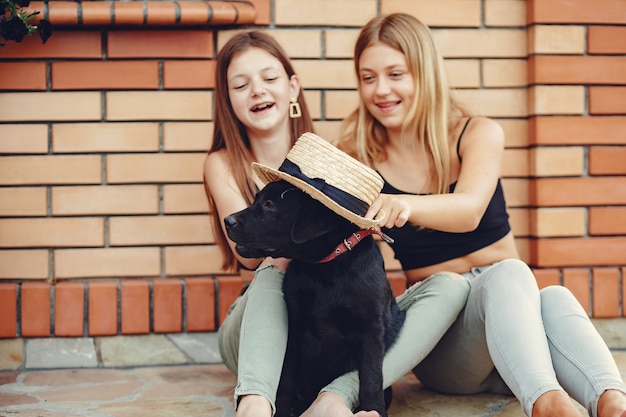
294, 110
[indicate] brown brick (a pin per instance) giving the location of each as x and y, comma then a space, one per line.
183, 198
575, 130
135, 306
128, 14
154, 168
481, 43
193, 260
187, 136
326, 74
51, 232
159, 105
547, 277
577, 70
23, 75
503, 73
23, 264
69, 308
38, 170
96, 13
515, 132
159, 230
23, 201
557, 161
102, 308
64, 44
109, 262
607, 40
340, 43
438, 12
105, 137
605, 292
607, 221
229, 289
23, 138
502, 13
579, 191
340, 104
188, 74
558, 222
578, 281
516, 192
323, 12
161, 13
63, 13
104, 200
105, 75
58, 106
35, 314
577, 11
495, 102
167, 307
607, 160
262, 9
200, 304
159, 43
607, 100
300, 43
568, 252
463, 73
8, 309
515, 163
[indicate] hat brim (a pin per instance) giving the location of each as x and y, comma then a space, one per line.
268, 174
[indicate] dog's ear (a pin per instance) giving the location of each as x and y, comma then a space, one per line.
313, 220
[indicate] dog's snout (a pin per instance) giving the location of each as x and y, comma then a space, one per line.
230, 221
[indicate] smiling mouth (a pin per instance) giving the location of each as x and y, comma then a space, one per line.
261, 107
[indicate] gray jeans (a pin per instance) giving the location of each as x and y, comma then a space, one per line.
253, 337
511, 337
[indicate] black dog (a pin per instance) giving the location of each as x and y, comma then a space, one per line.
342, 313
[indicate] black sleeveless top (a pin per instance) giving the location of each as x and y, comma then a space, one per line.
416, 247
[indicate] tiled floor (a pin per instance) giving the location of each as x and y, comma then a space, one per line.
170, 376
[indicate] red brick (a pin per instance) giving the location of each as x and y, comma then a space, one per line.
64, 44
135, 306
606, 40
547, 277
576, 11
128, 13
607, 100
577, 70
607, 160
161, 13
63, 13
23, 76
69, 309
159, 43
35, 314
262, 9
229, 289
8, 309
96, 13
623, 271
102, 308
605, 292
200, 304
594, 191
576, 130
577, 280
105, 75
576, 252
188, 74
167, 305
607, 221
194, 12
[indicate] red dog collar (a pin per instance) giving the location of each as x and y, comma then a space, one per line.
351, 241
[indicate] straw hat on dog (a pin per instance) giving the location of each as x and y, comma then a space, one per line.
329, 175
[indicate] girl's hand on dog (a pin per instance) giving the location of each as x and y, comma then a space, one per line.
394, 207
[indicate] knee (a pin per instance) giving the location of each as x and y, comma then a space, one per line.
512, 276
558, 301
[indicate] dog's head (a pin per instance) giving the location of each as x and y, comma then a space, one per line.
284, 221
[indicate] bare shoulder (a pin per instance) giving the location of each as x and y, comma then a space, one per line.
483, 132
216, 164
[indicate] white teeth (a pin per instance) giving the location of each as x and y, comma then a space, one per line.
262, 106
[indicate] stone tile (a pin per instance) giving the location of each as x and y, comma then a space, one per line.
121, 351
11, 353
14, 399
170, 407
58, 353
613, 331
92, 393
76, 377
200, 347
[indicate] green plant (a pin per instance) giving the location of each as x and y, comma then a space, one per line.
14, 22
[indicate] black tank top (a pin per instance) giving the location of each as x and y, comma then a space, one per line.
416, 247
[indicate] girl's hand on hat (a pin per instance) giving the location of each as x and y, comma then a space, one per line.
396, 210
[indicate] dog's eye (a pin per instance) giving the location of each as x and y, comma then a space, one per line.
269, 205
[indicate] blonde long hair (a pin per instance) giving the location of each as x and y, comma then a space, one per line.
230, 134
433, 113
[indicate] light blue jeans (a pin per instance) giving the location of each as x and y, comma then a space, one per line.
511, 337
253, 337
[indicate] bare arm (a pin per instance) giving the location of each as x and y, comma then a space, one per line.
481, 150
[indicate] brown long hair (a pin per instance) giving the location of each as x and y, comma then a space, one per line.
230, 134
433, 113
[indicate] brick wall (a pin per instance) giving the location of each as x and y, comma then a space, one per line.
103, 220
